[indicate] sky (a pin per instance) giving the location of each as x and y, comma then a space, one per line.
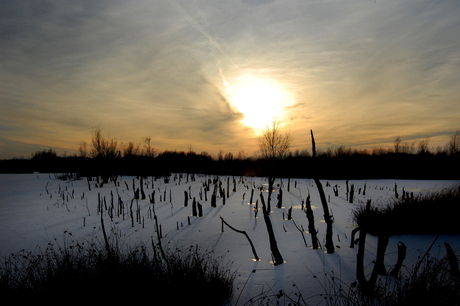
210, 75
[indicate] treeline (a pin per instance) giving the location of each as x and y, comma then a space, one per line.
353, 165
105, 157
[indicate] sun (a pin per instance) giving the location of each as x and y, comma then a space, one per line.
260, 100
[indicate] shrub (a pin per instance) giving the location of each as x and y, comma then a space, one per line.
430, 213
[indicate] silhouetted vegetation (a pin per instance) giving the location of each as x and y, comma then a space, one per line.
356, 165
85, 271
106, 157
428, 213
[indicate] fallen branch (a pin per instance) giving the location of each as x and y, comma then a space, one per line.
244, 233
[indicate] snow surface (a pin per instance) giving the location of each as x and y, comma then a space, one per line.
34, 213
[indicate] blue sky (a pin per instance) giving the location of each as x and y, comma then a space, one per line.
209, 74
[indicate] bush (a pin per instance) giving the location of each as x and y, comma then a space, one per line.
431, 213
89, 272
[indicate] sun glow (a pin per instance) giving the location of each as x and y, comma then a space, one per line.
259, 100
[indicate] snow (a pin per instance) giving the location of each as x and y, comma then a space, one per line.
33, 213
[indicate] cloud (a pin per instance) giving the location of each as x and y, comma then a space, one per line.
358, 71
95, 69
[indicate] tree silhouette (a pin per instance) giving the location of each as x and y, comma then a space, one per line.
105, 147
273, 145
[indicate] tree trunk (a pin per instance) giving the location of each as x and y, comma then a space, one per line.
214, 197
327, 217
401, 256
353, 234
311, 223
185, 198
280, 198
142, 189
379, 267
360, 275
277, 258
352, 194
367, 286
194, 212
200, 209
271, 181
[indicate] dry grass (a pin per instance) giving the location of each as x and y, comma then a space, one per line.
430, 213
87, 272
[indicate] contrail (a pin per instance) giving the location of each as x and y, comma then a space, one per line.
227, 85
181, 11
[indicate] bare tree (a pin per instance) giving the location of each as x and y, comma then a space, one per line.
397, 144
423, 146
220, 155
454, 143
407, 147
273, 145
228, 156
131, 149
83, 149
149, 149
103, 147
190, 149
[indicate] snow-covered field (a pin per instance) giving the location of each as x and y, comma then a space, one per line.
36, 209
